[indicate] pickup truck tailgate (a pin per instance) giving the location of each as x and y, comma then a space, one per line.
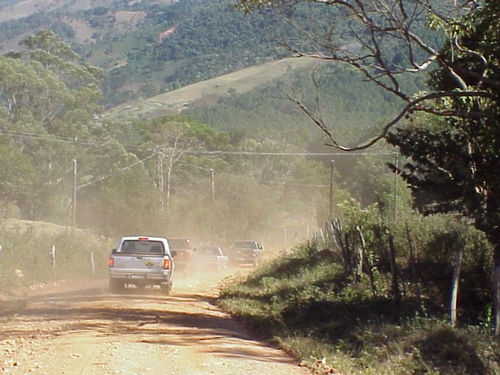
139, 262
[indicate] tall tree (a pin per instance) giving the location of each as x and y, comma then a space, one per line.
454, 162
47, 102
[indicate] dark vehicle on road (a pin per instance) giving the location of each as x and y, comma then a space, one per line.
245, 252
184, 256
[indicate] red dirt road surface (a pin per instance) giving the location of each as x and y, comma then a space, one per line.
86, 330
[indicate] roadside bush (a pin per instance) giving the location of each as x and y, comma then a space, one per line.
425, 251
436, 240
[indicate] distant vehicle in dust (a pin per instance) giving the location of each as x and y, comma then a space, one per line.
184, 257
210, 258
245, 252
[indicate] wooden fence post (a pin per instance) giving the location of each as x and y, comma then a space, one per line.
413, 268
394, 270
92, 263
369, 263
53, 258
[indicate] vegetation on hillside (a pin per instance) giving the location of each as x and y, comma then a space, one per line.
356, 110
139, 176
339, 304
145, 59
453, 148
167, 46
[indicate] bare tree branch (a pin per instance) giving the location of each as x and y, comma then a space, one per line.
414, 105
380, 22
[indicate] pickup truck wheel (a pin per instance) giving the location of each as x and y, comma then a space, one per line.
115, 285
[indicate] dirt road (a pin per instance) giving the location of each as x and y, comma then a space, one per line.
85, 330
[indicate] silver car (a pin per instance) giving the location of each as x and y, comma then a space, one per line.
211, 258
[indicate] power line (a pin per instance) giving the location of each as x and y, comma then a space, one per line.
256, 153
49, 137
56, 138
195, 166
116, 172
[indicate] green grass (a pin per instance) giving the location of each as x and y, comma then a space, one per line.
307, 305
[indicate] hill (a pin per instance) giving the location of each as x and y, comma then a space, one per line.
208, 92
148, 48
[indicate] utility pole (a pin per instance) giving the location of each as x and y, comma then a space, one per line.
330, 216
75, 187
212, 204
212, 184
161, 179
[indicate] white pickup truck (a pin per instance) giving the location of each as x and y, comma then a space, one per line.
141, 261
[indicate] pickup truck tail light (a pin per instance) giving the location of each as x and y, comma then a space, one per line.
166, 264
111, 262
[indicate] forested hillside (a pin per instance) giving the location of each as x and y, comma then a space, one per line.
351, 107
68, 166
150, 47
138, 44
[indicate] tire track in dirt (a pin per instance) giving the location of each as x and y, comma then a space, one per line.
89, 331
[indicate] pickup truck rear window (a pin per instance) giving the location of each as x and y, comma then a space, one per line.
142, 246
245, 244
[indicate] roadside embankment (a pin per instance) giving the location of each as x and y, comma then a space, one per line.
35, 254
307, 304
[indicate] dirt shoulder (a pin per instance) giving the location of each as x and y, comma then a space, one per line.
86, 330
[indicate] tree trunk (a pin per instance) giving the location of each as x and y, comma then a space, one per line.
413, 268
170, 168
161, 179
496, 289
359, 263
454, 288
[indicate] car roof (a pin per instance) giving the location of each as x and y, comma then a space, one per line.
150, 238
